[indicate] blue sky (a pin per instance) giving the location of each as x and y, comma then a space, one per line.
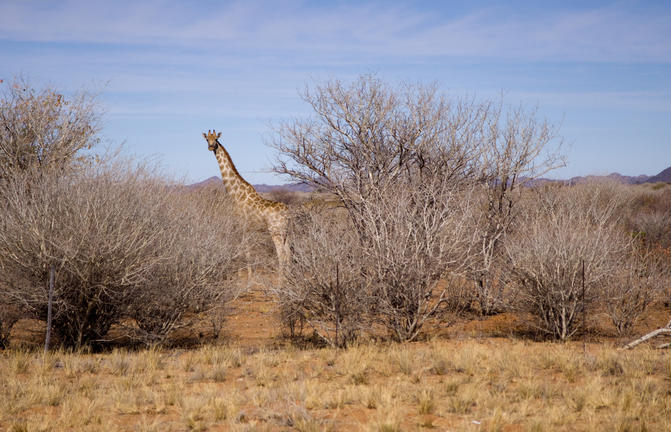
168, 70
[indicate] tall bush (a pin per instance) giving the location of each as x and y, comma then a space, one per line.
324, 283
564, 229
122, 246
412, 237
404, 162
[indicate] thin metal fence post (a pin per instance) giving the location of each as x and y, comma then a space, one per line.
47, 339
584, 313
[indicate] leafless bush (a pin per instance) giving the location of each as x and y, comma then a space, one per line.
654, 226
643, 271
398, 161
400, 270
638, 280
412, 237
650, 216
96, 232
122, 245
258, 244
568, 227
43, 130
203, 252
518, 148
367, 139
324, 283
285, 196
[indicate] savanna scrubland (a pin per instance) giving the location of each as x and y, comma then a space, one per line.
436, 279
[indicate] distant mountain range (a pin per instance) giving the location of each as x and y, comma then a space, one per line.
664, 176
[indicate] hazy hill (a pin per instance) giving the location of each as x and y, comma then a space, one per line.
612, 176
664, 176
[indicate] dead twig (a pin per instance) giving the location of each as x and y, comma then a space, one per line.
660, 331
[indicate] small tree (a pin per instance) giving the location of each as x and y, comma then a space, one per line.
566, 229
367, 141
122, 246
368, 138
324, 283
412, 238
396, 160
43, 130
519, 148
201, 255
637, 282
42, 133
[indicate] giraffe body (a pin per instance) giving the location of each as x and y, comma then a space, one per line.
248, 202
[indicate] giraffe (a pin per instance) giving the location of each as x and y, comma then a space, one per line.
248, 202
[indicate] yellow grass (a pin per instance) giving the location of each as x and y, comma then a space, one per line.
478, 385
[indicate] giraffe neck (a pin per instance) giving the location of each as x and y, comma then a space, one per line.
238, 189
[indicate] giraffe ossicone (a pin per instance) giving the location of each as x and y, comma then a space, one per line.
248, 202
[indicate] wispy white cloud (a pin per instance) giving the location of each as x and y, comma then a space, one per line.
238, 63
618, 32
603, 100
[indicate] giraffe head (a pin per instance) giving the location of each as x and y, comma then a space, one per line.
212, 139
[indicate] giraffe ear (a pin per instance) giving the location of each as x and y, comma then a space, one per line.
204, 135
219, 135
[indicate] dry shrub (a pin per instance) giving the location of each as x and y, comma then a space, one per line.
323, 283
42, 133
9, 315
96, 230
44, 130
285, 196
642, 273
204, 249
650, 217
653, 226
341, 279
639, 280
518, 148
411, 238
123, 244
398, 160
568, 227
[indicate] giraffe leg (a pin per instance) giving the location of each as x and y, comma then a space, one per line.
281, 248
